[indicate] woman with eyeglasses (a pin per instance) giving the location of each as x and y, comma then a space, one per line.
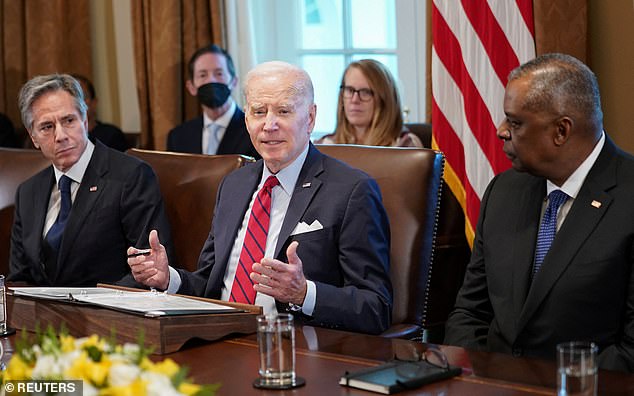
369, 109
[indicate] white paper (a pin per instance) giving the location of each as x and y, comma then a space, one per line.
150, 303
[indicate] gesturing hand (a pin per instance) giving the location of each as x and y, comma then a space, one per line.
150, 269
282, 281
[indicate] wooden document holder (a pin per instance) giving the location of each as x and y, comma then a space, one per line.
165, 334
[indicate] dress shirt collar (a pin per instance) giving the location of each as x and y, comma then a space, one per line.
573, 184
287, 176
223, 120
77, 171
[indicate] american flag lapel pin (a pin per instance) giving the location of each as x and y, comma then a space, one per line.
93, 188
305, 185
596, 204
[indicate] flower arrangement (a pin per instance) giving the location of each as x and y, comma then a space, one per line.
104, 367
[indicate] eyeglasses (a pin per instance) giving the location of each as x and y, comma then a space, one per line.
365, 94
431, 355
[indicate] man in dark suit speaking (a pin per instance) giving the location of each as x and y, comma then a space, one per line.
295, 232
75, 219
554, 247
221, 128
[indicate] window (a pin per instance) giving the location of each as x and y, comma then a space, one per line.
323, 36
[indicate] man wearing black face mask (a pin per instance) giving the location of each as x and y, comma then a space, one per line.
221, 128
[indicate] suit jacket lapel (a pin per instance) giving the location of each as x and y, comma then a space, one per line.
90, 189
528, 203
39, 202
579, 224
233, 214
302, 196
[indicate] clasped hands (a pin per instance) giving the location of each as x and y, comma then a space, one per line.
285, 282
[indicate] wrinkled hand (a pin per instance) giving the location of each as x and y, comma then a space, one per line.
151, 269
284, 282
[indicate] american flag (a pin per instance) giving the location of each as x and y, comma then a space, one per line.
476, 43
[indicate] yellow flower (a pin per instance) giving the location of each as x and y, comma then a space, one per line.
167, 367
84, 368
136, 388
18, 369
146, 364
78, 368
94, 340
188, 389
105, 369
99, 371
67, 342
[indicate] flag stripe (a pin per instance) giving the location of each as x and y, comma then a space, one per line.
496, 45
451, 104
481, 110
525, 7
513, 23
452, 144
455, 171
475, 45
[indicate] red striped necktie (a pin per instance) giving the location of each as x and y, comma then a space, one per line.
254, 243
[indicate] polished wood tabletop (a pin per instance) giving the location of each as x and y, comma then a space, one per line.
323, 356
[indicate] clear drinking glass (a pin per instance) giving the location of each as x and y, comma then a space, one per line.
577, 368
276, 342
3, 306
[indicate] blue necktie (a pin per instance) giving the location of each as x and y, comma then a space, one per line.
54, 235
548, 227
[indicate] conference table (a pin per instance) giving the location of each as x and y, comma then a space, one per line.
324, 355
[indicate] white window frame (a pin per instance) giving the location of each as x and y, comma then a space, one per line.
279, 43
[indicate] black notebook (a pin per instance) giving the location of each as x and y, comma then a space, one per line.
397, 376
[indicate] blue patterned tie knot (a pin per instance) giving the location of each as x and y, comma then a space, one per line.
548, 227
54, 235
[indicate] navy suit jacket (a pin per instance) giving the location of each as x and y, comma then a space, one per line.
188, 137
584, 290
109, 135
348, 259
117, 204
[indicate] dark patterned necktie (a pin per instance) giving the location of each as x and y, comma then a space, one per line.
254, 243
548, 227
54, 235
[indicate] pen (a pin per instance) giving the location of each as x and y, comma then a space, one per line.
141, 252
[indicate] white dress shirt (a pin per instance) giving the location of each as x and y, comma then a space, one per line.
76, 174
217, 127
280, 199
573, 184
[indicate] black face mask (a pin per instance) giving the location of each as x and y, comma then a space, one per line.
213, 94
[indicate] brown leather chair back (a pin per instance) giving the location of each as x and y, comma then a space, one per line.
410, 183
452, 249
16, 166
189, 183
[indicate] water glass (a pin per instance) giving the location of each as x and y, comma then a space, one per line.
3, 306
276, 342
577, 368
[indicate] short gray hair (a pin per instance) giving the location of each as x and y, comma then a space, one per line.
40, 85
561, 84
302, 84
